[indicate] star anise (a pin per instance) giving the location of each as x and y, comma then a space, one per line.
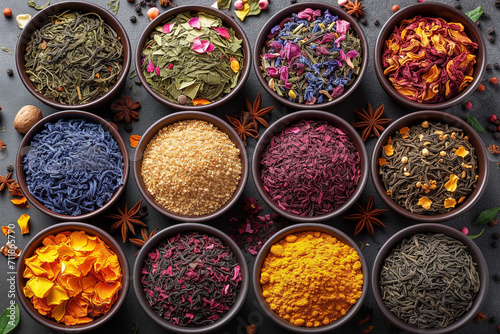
242, 127
366, 217
165, 3
2, 145
126, 109
14, 189
479, 317
256, 114
144, 232
354, 8
371, 121
5, 181
126, 219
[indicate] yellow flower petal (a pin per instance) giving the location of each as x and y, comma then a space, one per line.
6, 230
59, 311
449, 203
241, 14
134, 140
235, 65
404, 132
23, 222
389, 150
78, 240
462, 152
47, 254
39, 286
425, 203
56, 296
451, 185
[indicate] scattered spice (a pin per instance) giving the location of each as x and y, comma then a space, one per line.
153, 13
493, 222
145, 237
23, 223
493, 80
371, 122
126, 219
10, 73
377, 22
10, 250
354, 8
479, 317
133, 19
481, 88
251, 329
366, 217
496, 66
362, 321
395, 8
5, 181
73, 277
419, 45
7, 12
256, 114
369, 329
486, 216
496, 277
126, 109
134, 140
494, 149
165, 3
14, 189
3, 146
242, 127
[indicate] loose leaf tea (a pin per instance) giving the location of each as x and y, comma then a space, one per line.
429, 280
191, 279
4, 49
74, 59
428, 168
192, 59
428, 59
73, 166
34, 5
311, 57
311, 168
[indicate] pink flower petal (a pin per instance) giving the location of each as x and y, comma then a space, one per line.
342, 27
200, 46
223, 32
211, 47
167, 28
195, 23
151, 67
157, 70
170, 66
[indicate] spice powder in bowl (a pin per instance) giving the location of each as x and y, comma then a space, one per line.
429, 59
311, 57
428, 168
191, 168
311, 278
311, 168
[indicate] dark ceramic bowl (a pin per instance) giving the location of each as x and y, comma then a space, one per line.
450, 14
436, 116
36, 242
24, 148
289, 120
173, 231
257, 287
287, 12
182, 116
474, 251
40, 19
227, 22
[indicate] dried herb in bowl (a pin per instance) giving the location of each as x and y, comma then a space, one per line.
311, 56
74, 59
192, 59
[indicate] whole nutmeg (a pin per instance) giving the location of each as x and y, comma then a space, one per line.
26, 117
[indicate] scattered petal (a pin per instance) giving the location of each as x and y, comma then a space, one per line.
195, 23
23, 222
134, 140
425, 203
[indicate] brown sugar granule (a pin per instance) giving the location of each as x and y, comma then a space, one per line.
191, 167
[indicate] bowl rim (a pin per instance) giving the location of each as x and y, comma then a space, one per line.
286, 12
186, 228
174, 118
473, 250
436, 116
305, 227
429, 7
228, 22
36, 242
295, 117
41, 17
70, 114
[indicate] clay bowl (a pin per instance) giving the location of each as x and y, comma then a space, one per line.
25, 147
472, 248
257, 287
436, 10
172, 231
36, 242
40, 19
227, 22
287, 121
173, 118
436, 116
287, 12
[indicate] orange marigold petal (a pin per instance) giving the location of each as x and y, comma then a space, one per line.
451, 185
235, 65
78, 240
389, 150
20, 201
39, 286
23, 222
200, 101
6, 230
382, 161
134, 140
104, 291
47, 254
462, 152
449, 203
425, 202
56, 296
404, 132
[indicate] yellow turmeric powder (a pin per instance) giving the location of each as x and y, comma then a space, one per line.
311, 278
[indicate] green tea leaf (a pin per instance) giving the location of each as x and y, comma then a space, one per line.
475, 14
33, 4
5, 49
476, 235
223, 4
9, 319
254, 7
486, 216
474, 123
113, 6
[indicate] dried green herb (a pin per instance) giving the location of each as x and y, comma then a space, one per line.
476, 235
9, 319
133, 74
34, 5
192, 56
475, 14
474, 123
113, 6
223, 4
75, 58
5, 50
486, 216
